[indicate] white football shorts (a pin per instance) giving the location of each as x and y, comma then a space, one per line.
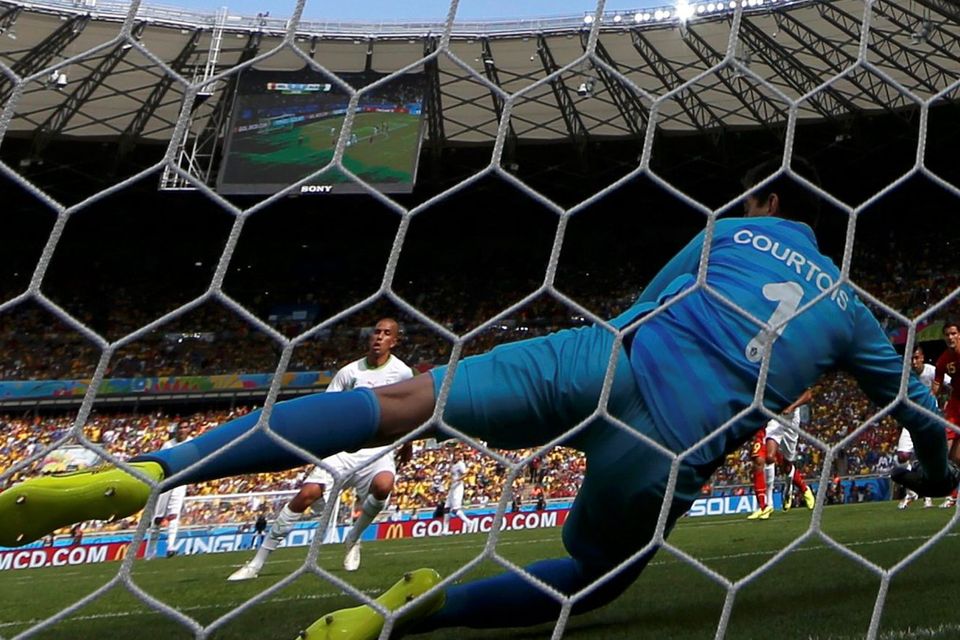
905, 443
454, 501
785, 436
343, 463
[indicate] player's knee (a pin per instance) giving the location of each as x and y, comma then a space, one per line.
306, 496
382, 485
903, 457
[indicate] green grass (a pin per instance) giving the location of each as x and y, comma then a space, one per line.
288, 155
814, 592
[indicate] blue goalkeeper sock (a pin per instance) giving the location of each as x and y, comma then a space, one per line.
321, 423
507, 600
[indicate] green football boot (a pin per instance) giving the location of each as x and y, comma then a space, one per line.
33, 508
809, 499
364, 623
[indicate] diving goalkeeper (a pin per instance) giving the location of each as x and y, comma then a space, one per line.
794, 322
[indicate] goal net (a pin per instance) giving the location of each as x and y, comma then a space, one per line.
562, 162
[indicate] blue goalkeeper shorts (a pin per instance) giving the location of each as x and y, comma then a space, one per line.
532, 392
527, 393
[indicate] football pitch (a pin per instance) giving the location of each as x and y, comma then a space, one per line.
815, 592
289, 154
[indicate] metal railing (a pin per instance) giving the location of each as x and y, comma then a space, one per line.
610, 20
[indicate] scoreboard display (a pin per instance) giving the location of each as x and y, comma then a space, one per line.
285, 126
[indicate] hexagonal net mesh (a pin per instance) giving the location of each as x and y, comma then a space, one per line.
729, 67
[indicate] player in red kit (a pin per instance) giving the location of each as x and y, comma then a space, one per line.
782, 443
777, 442
758, 454
948, 364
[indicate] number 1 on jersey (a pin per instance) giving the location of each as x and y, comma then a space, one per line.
787, 295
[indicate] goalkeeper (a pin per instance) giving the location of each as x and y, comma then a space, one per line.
678, 335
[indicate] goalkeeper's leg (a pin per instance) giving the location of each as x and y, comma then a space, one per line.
520, 402
413, 590
626, 490
320, 423
506, 600
624, 484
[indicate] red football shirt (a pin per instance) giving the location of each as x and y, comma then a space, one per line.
949, 363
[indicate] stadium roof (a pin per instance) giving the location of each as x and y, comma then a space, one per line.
84, 78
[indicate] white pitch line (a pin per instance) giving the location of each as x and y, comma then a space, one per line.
196, 607
137, 573
905, 634
910, 633
326, 553
821, 547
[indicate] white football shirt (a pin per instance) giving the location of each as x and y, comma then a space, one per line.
360, 374
457, 472
926, 376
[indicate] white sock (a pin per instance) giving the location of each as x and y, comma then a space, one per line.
153, 535
284, 523
331, 532
770, 476
912, 495
467, 523
173, 528
371, 507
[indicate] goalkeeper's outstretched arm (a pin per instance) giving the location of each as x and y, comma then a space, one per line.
878, 369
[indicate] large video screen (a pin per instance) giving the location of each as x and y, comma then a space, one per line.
286, 124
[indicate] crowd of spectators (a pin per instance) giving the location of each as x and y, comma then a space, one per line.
212, 339
421, 482
907, 276
838, 409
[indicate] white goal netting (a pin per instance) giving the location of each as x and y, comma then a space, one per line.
733, 76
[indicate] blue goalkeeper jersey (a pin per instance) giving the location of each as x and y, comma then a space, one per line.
697, 359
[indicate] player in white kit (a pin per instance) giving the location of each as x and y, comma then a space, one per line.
925, 372
781, 440
169, 503
454, 502
370, 471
